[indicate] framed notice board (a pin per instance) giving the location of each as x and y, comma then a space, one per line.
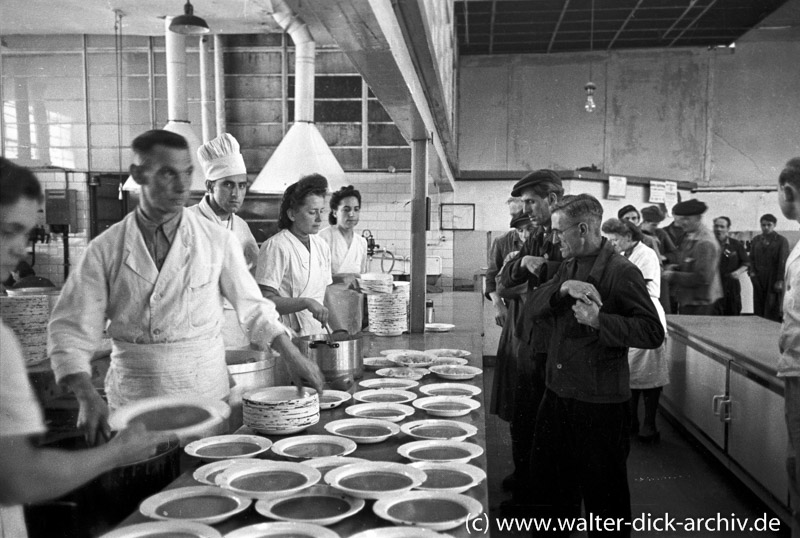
457, 216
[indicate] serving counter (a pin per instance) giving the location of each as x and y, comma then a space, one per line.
462, 309
724, 391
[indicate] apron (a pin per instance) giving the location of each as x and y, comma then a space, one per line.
138, 371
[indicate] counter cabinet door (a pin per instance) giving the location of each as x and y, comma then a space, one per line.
757, 437
696, 390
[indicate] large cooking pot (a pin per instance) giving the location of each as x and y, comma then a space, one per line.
101, 504
250, 369
341, 362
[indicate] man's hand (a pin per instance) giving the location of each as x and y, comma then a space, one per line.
587, 314
93, 410
532, 263
500, 314
317, 310
582, 291
136, 443
303, 371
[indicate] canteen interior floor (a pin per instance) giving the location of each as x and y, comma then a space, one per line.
674, 476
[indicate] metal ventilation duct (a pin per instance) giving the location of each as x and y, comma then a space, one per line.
177, 104
303, 150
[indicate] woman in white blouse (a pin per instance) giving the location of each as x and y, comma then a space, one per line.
348, 250
294, 265
649, 367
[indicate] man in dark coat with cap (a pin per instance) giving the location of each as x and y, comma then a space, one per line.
537, 261
768, 256
695, 278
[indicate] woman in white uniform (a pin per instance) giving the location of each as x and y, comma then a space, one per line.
649, 367
30, 474
348, 250
294, 265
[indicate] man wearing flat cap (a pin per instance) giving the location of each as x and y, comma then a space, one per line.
536, 262
226, 186
695, 278
768, 256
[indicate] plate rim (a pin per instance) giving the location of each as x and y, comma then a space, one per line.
281, 526
201, 473
137, 529
471, 403
408, 427
466, 468
372, 360
413, 383
342, 399
430, 386
255, 466
319, 461
334, 476
411, 396
381, 404
405, 531
462, 353
431, 358
439, 327
387, 352
264, 506
148, 506
263, 443
446, 358
419, 373
306, 439
122, 416
406, 449
381, 509
394, 429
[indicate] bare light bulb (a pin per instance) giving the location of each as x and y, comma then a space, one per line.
590, 88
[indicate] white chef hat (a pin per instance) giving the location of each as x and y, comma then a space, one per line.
221, 158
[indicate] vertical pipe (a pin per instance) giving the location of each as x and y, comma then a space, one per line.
364, 125
219, 85
418, 194
86, 105
205, 102
177, 106
284, 84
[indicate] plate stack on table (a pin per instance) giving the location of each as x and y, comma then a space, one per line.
388, 312
434, 451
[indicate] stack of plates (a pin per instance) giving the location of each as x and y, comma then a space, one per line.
280, 410
388, 312
374, 283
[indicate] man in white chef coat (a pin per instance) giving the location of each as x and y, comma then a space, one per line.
156, 282
226, 185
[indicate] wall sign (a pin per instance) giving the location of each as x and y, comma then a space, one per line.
457, 216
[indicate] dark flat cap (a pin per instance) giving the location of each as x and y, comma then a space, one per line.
519, 220
652, 213
533, 179
627, 209
769, 217
689, 207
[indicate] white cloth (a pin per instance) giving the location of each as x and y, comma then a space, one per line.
345, 259
232, 332
220, 157
20, 415
649, 368
287, 266
116, 280
789, 340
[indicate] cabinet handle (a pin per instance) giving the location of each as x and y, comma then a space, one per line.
725, 410
716, 402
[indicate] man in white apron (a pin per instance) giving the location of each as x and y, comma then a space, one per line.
156, 281
226, 183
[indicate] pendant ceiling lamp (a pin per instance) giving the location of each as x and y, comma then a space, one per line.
189, 23
590, 86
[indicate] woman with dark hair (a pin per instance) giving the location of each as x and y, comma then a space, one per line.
348, 250
649, 368
294, 265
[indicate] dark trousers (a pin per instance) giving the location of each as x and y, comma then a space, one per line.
696, 309
580, 451
766, 301
527, 397
650, 397
731, 302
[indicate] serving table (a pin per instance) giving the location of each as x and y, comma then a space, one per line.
462, 309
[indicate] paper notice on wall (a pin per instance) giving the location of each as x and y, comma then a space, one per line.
657, 189
670, 195
617, 186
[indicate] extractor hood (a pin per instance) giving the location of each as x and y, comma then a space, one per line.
303, 150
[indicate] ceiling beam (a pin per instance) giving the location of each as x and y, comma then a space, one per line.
466, 22
624, 24
679, 19
709, 6
558, 25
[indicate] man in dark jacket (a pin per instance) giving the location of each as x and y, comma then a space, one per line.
599, 306
768, 253
538, 257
